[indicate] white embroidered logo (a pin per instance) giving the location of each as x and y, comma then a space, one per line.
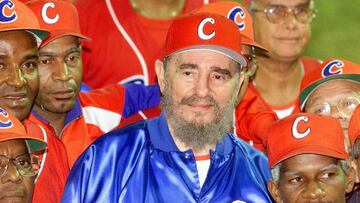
44, 15
294, 129
202, 24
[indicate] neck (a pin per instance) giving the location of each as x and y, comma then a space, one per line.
278, 81
56, 120
158, 9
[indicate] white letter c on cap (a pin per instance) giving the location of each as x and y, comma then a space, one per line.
44, 15
294, 129
201, 33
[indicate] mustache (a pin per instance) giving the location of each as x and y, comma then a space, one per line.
194, 99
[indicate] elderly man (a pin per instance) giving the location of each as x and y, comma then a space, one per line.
283, 28
306, 167
77, 119
246, 129
186, 154
18, 167
332, 89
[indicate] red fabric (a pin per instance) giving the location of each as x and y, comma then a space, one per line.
51, 179
108, 58
100, 114
253, 115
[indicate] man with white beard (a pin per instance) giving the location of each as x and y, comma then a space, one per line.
186, 154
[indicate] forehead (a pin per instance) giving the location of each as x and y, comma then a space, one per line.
16, 42
296, 164
283, 2
334, 89
61, 44
12, 148
204, 58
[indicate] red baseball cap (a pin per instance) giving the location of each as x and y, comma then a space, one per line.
332, 69
238, 14
204, 31
15, 15
11, 128
354, 126
59, 17
305, 133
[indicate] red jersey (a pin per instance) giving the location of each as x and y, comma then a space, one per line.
98, 112
54, 168
123, 42
253, 115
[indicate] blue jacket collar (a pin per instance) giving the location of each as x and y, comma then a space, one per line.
161, 138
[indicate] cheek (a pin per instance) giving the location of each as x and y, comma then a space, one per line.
29, 187
77, 74
32, 81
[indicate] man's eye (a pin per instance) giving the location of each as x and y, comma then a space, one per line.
72, 59
296, 180
30, 65
45, 61
187, 73
328, 175
219, 77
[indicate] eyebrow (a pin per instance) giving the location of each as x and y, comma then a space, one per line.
71, 50
188, 66
291, 173
331, 166
221, 70
31, 56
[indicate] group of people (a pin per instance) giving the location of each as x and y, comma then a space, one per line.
228, 78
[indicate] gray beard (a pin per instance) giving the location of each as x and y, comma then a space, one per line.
196, 135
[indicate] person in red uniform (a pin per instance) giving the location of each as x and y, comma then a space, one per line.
306, 167
20, 35
276, 84
127, 37
77, 119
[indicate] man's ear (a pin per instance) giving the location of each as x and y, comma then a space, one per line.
243, 87
159, 69
350, 179
274, 191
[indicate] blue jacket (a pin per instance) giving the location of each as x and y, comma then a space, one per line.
141, 163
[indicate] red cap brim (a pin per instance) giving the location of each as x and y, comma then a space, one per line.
61, 33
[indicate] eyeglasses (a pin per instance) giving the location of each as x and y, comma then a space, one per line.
345, 107
252, 65
26, 165
277, 13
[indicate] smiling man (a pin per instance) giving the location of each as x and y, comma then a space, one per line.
306, 167
186, 154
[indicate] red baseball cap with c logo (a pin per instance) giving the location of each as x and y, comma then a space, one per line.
205, 31
60, 18
305, 133
331, 69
